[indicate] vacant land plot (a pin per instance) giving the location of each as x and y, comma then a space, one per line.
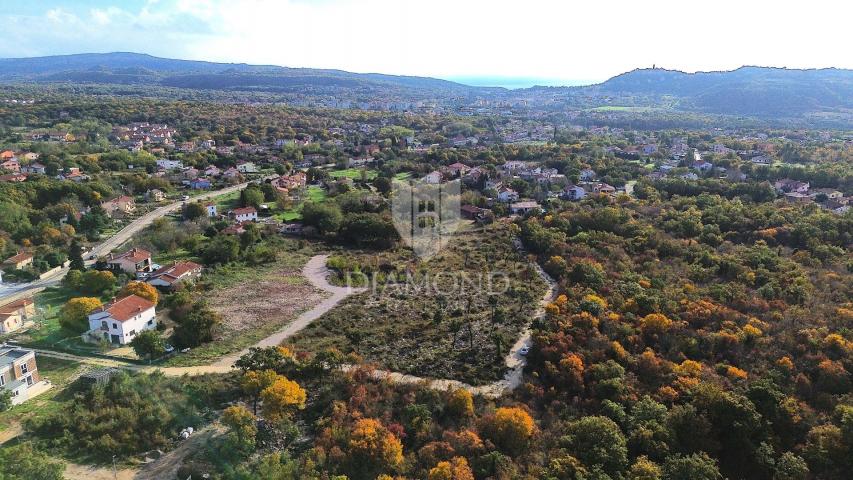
455, 316
254, 302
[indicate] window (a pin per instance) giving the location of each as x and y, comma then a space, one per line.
30, 381
2, 380
115, 325
151, 322
24, 368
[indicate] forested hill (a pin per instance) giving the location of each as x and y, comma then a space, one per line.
748, 91
134, 69
756, 91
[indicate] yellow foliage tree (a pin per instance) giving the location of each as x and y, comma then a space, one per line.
281, 398
655, 323
456, 469
370, 441
461, 403
140, 289
74, 315
511, 428
253, 383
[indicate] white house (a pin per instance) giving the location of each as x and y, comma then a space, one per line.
211, 209
121, 320
574, 192
523, 207
433, 178
247, 167
506, 195
246, 214
587, 175
164, 164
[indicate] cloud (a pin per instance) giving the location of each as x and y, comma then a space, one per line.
514, 38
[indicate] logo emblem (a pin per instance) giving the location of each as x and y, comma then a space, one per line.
426, 214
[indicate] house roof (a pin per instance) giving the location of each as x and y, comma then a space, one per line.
244, 211
13, 307
21, 257
126, 308
175, 272
134, 255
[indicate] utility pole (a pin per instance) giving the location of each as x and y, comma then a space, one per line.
115, 474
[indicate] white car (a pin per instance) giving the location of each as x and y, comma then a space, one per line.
524, 351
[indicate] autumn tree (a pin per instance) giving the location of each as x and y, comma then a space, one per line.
281, 398
74, 315
241, 429
254, 382
510, 428
461, 403
456, 469
373, 448
140, 289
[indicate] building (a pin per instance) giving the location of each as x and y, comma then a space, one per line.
164, 164
291, 229
15, 315
521, 208
12, 165
786, 185
19, 261
169, 277
34, 168
433, 178
507, 195
132, 261
573, 192
211, 209
120, 206
200, 184
155, 195
247, 167
19, 373
120, 321
587, 175
245, 214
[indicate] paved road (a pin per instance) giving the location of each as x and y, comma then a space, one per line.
123, 235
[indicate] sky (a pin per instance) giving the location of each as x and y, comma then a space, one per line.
512, 42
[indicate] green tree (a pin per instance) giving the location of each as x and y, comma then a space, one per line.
597, 442
251, 197
23, 462
194, 210
325, 217
148, 344
222, 249
75, 255
698, 466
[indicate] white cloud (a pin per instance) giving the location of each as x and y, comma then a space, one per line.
529, 38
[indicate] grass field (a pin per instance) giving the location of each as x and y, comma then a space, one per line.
354, 173
446, 322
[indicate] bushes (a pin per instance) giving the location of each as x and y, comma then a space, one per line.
129, 415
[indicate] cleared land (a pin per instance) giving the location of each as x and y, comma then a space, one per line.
435, 319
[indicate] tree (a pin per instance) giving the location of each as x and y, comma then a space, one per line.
281, 398
597, 442
791, 467
370, 229
23, 462
241, 429
75, 256
194, 210
148, 344
197, 326
277, 359
97, 282
510, 428
5, 400
73, 279
325, 217
251, 197
74, 315
461, 403
140, 289
222, 249
456, 469
644, 469
373, 448
254, 382
698, 466
655, 323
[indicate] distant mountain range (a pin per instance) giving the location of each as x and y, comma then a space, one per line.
749, 91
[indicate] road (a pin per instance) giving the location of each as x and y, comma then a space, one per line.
15, 292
